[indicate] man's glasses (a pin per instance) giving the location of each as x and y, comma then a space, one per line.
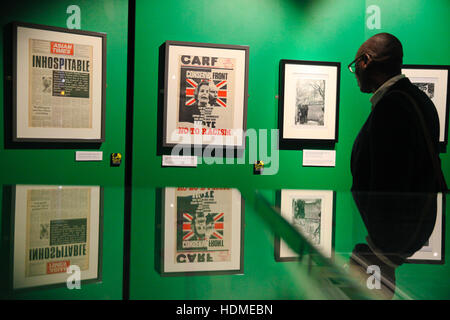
352, 65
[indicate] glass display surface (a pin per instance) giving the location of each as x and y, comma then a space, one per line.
205, 242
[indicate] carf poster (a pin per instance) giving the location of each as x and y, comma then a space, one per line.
202, 229
205, 90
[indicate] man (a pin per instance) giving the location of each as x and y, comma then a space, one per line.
390, 152
394, 176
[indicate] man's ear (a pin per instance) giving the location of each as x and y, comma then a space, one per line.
366, 60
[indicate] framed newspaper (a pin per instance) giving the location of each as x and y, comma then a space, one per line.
308, 102
57, 232
433, 80
433, 251
202, 232
312, 213
205, 95
59, 79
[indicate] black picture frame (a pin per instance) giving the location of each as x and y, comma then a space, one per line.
317, 85
161, 241
437, 90
174, 96
57, 134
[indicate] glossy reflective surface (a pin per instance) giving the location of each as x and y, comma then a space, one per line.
219, 243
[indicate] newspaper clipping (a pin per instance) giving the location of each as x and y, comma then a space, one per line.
60, 88
206, 95
203, 225
57, 230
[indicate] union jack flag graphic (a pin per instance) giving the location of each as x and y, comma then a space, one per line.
214, 227
220, 86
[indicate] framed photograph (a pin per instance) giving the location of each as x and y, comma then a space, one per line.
202, 231
55, 228
205, 90
59, 84
308, 101
312, 213
433, 80
433, 250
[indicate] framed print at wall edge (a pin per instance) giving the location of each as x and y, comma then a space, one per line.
53, 228
59, 81
433, 252
202, 232
433, 80
205, 95
308, 102
312, 212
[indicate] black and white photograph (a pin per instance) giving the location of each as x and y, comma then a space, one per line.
205, 95
426, 87
308, 102
311, 213
433, 81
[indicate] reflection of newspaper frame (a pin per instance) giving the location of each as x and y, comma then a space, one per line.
302, 205
59, 84
202, 231
205, 94
55, 227
438, 75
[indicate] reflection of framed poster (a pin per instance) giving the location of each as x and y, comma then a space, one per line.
433, 250
59, 84
202, 231
311, 212
308, 101
205, 90
56, 227
433, 80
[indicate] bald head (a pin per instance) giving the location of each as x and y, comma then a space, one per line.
386, 51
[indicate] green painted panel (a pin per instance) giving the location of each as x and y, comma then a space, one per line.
303, 30
40, 164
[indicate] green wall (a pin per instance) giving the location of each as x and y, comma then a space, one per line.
55, 164
320, 30
323, 30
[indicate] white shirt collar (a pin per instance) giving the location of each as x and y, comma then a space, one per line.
381, 91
